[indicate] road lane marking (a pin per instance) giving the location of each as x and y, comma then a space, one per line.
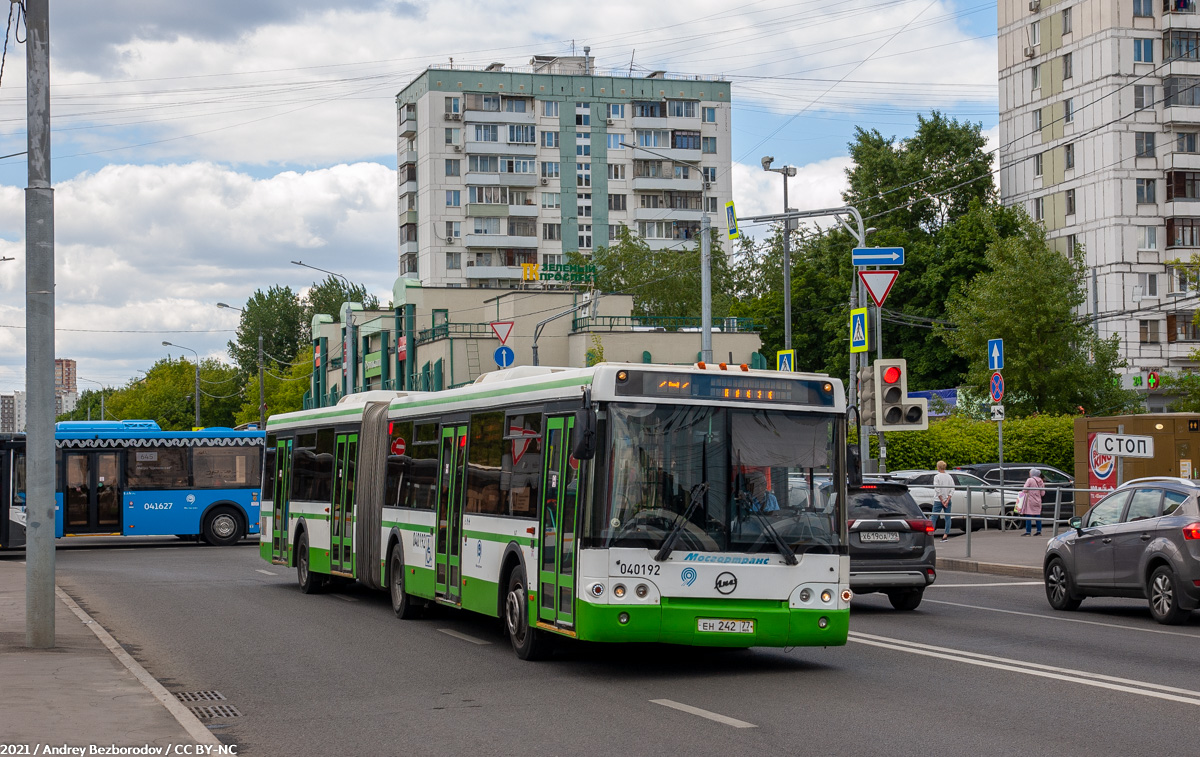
704, 713
463, 636
972, 586
1113, 683
1066, 620
344, 598
265, 572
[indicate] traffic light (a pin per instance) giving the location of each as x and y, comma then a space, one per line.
895, 410
866, 396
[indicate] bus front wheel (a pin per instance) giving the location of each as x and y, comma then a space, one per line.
223, 527
529, 643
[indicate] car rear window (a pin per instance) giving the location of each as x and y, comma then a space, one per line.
1054, 477
866, 504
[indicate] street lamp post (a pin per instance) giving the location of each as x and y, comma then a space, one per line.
102, 387
197, 354
349, 345
785, 172
262, 396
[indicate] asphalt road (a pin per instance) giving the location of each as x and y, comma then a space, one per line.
983, 667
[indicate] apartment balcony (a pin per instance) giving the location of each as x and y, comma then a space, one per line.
407, 217
486, 210
404, 155
1179, 14
1180, 161
667, 214
492, 272
408, 187
1181, 208
1181, 114
499, 117
668, 153
408, 248
646, 183
407, 126
499, 241
642, 122
523, 211
1180, 67
502, 148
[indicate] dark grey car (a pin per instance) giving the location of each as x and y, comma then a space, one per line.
1143, 540
891, 543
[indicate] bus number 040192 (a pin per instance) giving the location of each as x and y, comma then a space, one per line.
638, 569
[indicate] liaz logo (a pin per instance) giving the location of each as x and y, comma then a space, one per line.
726, 583
157, 506
1102, 465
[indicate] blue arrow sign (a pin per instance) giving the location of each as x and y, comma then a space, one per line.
995, 354
878, 256
504, 356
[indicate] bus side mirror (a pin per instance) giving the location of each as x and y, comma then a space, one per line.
583, 442
853, 466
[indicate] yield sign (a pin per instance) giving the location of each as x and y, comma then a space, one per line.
879, 284
502, 329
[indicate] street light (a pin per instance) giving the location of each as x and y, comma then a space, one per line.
322, 270
785, 171
197, 354
262, 396
349, 346
102, 388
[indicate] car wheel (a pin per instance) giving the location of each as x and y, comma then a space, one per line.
402, 604
1058, 587
529, 643
1163, 593
906, 600
310, 583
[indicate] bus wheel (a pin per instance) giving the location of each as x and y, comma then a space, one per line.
310, 583
223, 527
528, 643
402, 604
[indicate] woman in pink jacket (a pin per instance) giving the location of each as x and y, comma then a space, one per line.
1031, 500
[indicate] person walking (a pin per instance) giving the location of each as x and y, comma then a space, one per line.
943, 491
1031, 500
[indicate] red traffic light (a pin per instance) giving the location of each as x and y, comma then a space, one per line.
891, 374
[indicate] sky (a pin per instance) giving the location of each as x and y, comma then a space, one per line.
198, 148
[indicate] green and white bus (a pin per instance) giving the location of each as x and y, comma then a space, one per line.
623, 502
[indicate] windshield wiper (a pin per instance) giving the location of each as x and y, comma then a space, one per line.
698, 495
789, 556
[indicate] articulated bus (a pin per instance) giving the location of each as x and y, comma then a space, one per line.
683, 504
131, 478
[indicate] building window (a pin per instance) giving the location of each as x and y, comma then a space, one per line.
682, 108
652, 138
453, 261
550, 169
1148, 332
552, 259
1147, 237
551, 200
583, 205
453, 167
1183, 232
708, 145
583, 144
1185, 327
1143, 8
1037, 164
682, 172
1070, 197
710, 205
1178, 281
616, 171
1069, 155
1037, 120
647, 110
1066, 21
453, 198
1035, 33
1143, 96
516, 105
550, 108
583, 175
487, 195
489, 103
583, 114
516, 164
708, 115
614, 231
1068, 66
585, 236
1072, 243
453, 229
1148, 284
616, 142
1143, 144
1182, 90
1183, 185
549, 139
1143, 51
453, 105
1039, 208
1145, 191
1035, 77
616, 202
616, 110
487, 133
685, 140
452, 136
487, 225
1185, 141
552, 232
519, 134
710, 173
1069, 110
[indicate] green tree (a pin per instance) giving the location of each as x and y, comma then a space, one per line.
1054, 361
285, 387
278, 315
326, 298
166, 395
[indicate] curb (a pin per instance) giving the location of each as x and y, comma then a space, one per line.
190, 722
994, 568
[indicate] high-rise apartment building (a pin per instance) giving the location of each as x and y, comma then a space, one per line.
1100, 140
8, 414
507, 167
64, 376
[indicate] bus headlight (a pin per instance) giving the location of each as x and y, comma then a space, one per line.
642, 590
805, 595
619, 591
827, 596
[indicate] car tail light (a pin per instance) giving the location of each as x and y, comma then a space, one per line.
1191, 531
868, 486
850, 523
925, 526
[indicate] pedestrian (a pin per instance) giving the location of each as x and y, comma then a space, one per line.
943, 490
1030, 500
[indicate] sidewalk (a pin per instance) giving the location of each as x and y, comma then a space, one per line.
1006, 553
87, 690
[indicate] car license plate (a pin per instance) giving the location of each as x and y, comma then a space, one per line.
714, 625
879, 536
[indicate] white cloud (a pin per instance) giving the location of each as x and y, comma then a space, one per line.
816, 185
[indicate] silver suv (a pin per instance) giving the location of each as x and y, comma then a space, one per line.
1143, 540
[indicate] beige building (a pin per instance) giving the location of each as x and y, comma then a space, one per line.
440, 337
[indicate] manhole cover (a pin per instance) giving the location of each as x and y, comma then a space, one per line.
208, 711
199, 696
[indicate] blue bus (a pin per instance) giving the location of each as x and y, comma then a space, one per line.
131, 478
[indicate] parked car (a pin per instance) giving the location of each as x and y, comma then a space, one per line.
1143, 540
1059, 485
987, 501
891, 543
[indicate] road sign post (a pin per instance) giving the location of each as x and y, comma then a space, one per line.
502, 330
879, 284
995, 358
877, 256
504, 356
858, 330
995, 353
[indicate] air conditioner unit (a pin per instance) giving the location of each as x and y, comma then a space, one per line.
458, 148
1035, 6
1030, 52
708, 185
610, 122
545, 182
470, 264
452, 240
456, 116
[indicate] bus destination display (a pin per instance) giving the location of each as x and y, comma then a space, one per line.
725, 387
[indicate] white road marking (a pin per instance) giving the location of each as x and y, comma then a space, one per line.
999, 583
265, 572
344, 598
1129, 686
463, 636
704, 713
1066, 619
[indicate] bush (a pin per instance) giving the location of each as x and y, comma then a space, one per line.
1047, 439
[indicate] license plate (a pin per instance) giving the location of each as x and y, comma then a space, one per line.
879, 536
714, 625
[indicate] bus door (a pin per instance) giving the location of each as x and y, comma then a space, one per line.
559, 507
452, 467
279, 507
341, 517
91, 492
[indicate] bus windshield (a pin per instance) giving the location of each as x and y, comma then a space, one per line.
769, 475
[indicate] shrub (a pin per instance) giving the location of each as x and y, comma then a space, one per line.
1047, 439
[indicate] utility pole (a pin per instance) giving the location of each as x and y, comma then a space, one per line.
39, 335
706, 350
262, 392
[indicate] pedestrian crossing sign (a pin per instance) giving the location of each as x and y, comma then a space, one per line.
785, 360
858, 330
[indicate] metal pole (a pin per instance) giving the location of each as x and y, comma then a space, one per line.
970, 489
39, 335
879, 434
197, 424
706, 348
262, 392
787, 269
103, 416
